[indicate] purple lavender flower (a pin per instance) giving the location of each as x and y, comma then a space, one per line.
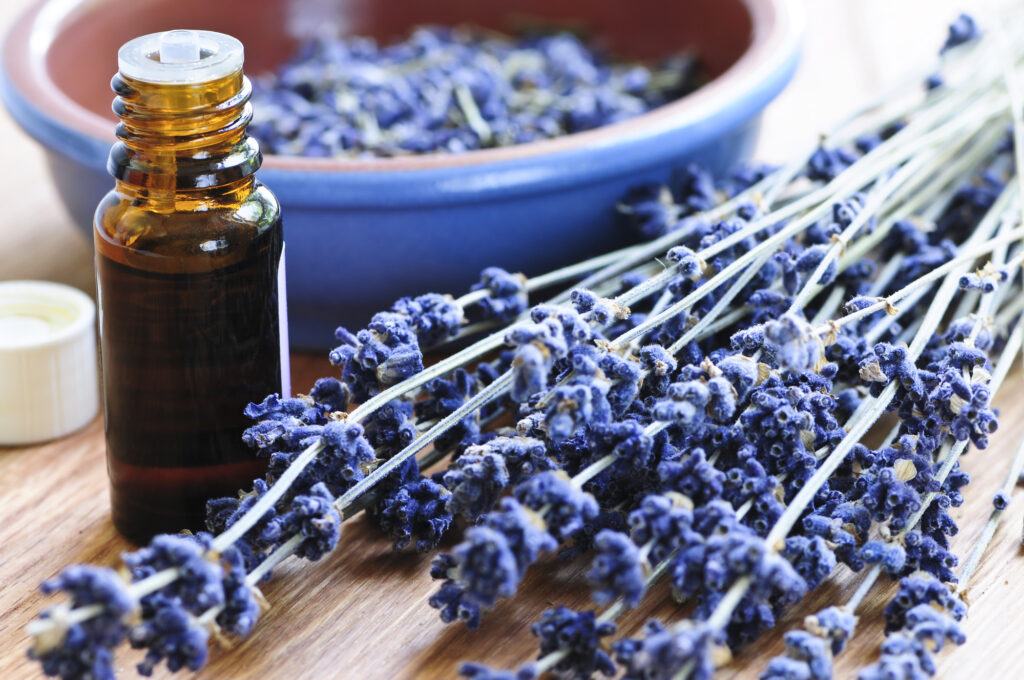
921, 589
434, 317
807, 656
476, 482
85, 649
890, 556
924, 553
445, 396
666, 523
626, 441
490, 562
241, 609
687, 263
390, 428
333, 394
617, 569
347, 451
507, 297
601, 311
222, 513
658, 365
169, 633
416, 513
692, 476
385, 352
650, 211
811, 557
199, 585
793, 343
566, 508
577, 635
450, 599
963, 30
538, 345
662, 653
478, 671
484, 566
312, 516
624, 373
908, 652
834, 624
582, 401
684, 404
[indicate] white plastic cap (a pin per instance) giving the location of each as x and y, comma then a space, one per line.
49, 382
180, 57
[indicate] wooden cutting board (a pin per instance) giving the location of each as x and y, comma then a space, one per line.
362, 612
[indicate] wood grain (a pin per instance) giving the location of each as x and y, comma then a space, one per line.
362, 612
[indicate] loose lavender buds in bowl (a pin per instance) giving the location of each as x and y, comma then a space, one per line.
450, 91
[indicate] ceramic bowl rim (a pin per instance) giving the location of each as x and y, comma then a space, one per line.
777, 27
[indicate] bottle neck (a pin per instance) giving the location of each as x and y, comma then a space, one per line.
184, 142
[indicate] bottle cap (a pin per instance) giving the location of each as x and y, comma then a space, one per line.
180, 57
47, 361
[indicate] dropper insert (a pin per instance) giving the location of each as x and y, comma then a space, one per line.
179, 46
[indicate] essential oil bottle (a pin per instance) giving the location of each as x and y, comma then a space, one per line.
190, 271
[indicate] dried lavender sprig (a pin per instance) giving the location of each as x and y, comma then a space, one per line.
974, 155
930, 322
813, 198
769, 186
1013, 345
734, 267
557, 276
268, 500
954, 170
619, 607
351, 495
890, 300
722, 613
456, 417
902, 178
748, 273
812, 278
601, 463
706, 321
922, 623
613, 612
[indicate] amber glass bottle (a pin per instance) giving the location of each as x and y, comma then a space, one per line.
189, 259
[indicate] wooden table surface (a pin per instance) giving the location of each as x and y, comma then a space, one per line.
362, 612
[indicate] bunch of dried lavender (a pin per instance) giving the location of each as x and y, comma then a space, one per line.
701, 418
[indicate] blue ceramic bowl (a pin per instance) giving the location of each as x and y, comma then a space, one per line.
363, 233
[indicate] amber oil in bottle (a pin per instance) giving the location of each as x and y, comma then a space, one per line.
189, 259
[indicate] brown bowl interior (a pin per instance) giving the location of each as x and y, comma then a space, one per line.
82, 59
